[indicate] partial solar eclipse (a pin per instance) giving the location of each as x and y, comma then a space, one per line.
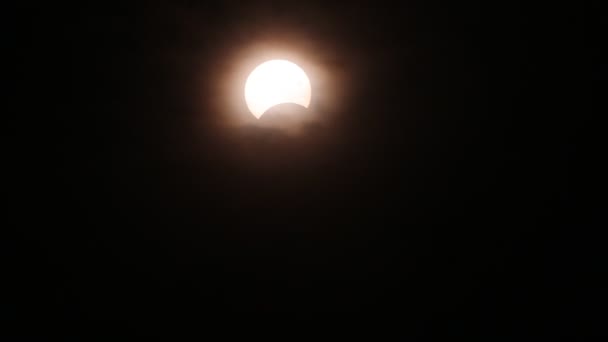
276, 82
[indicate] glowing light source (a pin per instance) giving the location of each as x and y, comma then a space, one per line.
275, 82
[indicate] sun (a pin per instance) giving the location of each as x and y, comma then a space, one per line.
276, 82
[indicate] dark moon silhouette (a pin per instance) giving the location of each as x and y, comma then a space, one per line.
286, 116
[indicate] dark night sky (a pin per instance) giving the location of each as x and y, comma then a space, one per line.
443, 191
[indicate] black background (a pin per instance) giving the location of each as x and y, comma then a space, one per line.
448, 196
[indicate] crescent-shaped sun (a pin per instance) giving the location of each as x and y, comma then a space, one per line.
275, 82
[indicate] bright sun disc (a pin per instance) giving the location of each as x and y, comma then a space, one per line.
276, 82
